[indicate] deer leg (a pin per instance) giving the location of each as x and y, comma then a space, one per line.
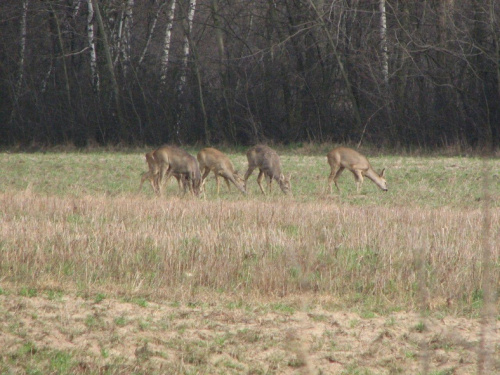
338, 172
206, 171
217, 181
249, 172
153, 179
164, 173
337, 175
269, 183
333, 172
235, 183
227, 183
259, 181
144, 176
359, 179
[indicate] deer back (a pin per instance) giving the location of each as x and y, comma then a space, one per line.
216, 161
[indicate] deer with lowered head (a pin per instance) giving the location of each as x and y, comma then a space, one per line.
269, 164
173, 160
213, 160
342, 157
152, 175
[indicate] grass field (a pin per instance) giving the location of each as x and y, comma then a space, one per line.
96, 277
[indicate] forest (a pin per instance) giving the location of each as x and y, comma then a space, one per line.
391, 73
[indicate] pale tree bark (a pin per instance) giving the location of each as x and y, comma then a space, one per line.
383, 43
187, 37
166, 42
93, 54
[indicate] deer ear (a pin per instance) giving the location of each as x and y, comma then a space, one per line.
289, 177
382, 173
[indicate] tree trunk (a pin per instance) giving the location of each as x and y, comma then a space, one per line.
185, 47
166, 42
22, 54
185, 57
109, 61
150, 33
126, 37
383, 43
93, 54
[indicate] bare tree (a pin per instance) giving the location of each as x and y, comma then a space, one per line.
383, 43
107, 53
126, 39
151, 32
91, 40
22, 54
188, 26
166, 42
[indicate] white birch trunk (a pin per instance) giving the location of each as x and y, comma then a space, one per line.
383, 42
93, 54
166, 42
187, 38
150, 33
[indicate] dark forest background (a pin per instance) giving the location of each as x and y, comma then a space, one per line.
395, 73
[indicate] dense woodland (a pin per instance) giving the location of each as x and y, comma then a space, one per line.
394, 73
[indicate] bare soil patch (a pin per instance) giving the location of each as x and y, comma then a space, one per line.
110, 336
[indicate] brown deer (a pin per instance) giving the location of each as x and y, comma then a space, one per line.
153, 174
173, 160
343, 157
212, 160
268, 162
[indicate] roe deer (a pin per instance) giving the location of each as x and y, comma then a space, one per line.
268, 162
173, 160
153, 174
343, 157
216, 161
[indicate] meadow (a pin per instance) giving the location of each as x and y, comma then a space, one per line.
237, 282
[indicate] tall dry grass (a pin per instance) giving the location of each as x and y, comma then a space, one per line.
177, 247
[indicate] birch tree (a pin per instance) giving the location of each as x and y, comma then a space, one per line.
91, 40
166, 42
383, 43
187, 37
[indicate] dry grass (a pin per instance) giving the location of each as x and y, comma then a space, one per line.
74, 233
174, 248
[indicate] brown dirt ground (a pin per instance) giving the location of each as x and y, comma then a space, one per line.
111, 336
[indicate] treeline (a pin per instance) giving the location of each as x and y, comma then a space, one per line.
388, 72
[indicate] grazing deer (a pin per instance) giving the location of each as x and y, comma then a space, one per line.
343, 157
216, 161
153, 174
173, 160
268, 162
